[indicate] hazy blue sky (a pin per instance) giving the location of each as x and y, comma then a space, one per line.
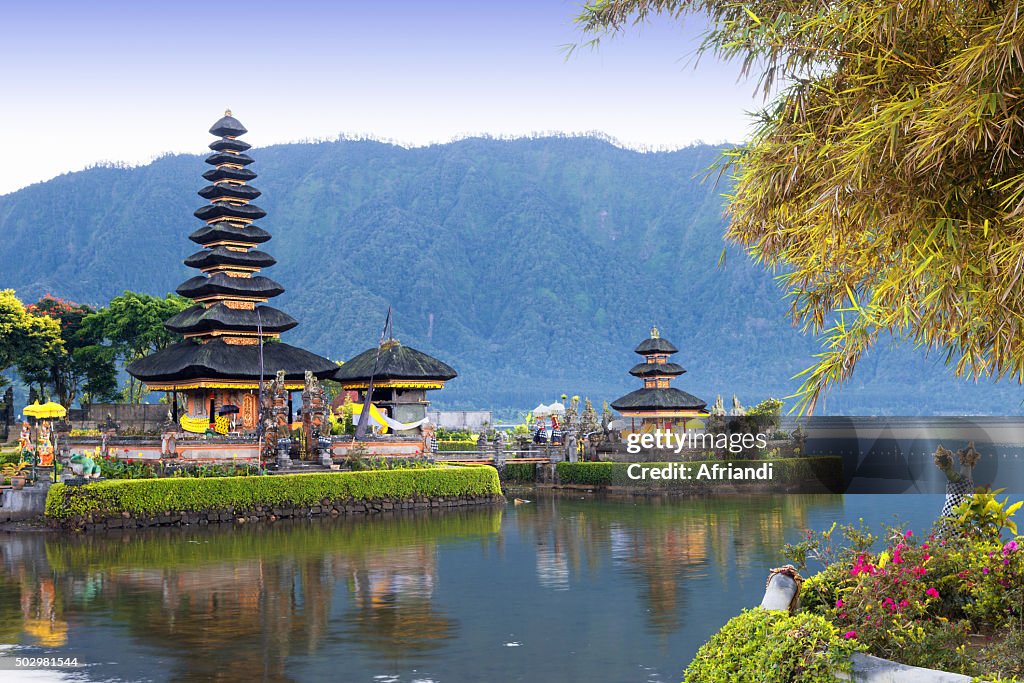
85, 82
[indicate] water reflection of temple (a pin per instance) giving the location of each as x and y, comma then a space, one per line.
662, 545
242, 604
392, 602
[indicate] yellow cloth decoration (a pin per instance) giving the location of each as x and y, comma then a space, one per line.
199, 425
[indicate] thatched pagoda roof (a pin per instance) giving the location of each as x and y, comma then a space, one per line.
396, 362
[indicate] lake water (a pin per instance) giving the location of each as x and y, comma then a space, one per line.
562, 589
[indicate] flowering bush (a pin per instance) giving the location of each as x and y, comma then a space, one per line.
773, 647
918, 600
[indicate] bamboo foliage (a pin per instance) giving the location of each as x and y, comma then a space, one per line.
883, 180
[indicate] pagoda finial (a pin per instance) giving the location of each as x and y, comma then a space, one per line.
227, 112
655, 333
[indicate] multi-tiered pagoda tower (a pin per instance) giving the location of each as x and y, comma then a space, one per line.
658, 404
219, 362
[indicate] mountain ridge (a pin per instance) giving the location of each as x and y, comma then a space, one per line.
532, 265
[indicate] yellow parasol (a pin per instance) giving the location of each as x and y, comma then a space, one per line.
46, 411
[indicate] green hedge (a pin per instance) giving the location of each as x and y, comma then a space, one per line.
455, 446
153, 496
522, 472
827, 470
773, 647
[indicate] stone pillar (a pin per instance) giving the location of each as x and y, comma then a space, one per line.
571, 446
108, 431
284, 453
499, 452
326, 457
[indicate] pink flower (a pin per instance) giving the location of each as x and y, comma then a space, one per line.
1010, 547
919, 571
908, 534
932, 593
984, 570
862, 566
839, 603
849, 635
896, 556
925, 546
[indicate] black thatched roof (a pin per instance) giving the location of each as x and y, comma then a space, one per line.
212, 192
656, 369
227, 143
395, 362
658, 399
222, 256
219, 283
218, 158
220, 317
217, 210
227, 173
228, 127
230, 232
655, 345
216, 359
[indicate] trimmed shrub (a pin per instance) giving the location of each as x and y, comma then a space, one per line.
773, 647
154, 496
452, 446
522, 472
592, 473
10, 457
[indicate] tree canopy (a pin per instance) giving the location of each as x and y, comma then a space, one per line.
24, 336
133, 324
81, 367
884, 177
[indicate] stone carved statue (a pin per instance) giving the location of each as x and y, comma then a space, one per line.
571, 446
316, 420
719, 408
737, 409
274, 418
84, 466
429, 438
44, 456
25, 444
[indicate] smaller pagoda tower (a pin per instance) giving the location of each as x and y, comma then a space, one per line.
658, 405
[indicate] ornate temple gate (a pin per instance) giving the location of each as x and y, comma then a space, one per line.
315, 444
316, 422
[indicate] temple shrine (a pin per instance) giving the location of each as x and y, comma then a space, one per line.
232, 337
658, 405
402, 376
